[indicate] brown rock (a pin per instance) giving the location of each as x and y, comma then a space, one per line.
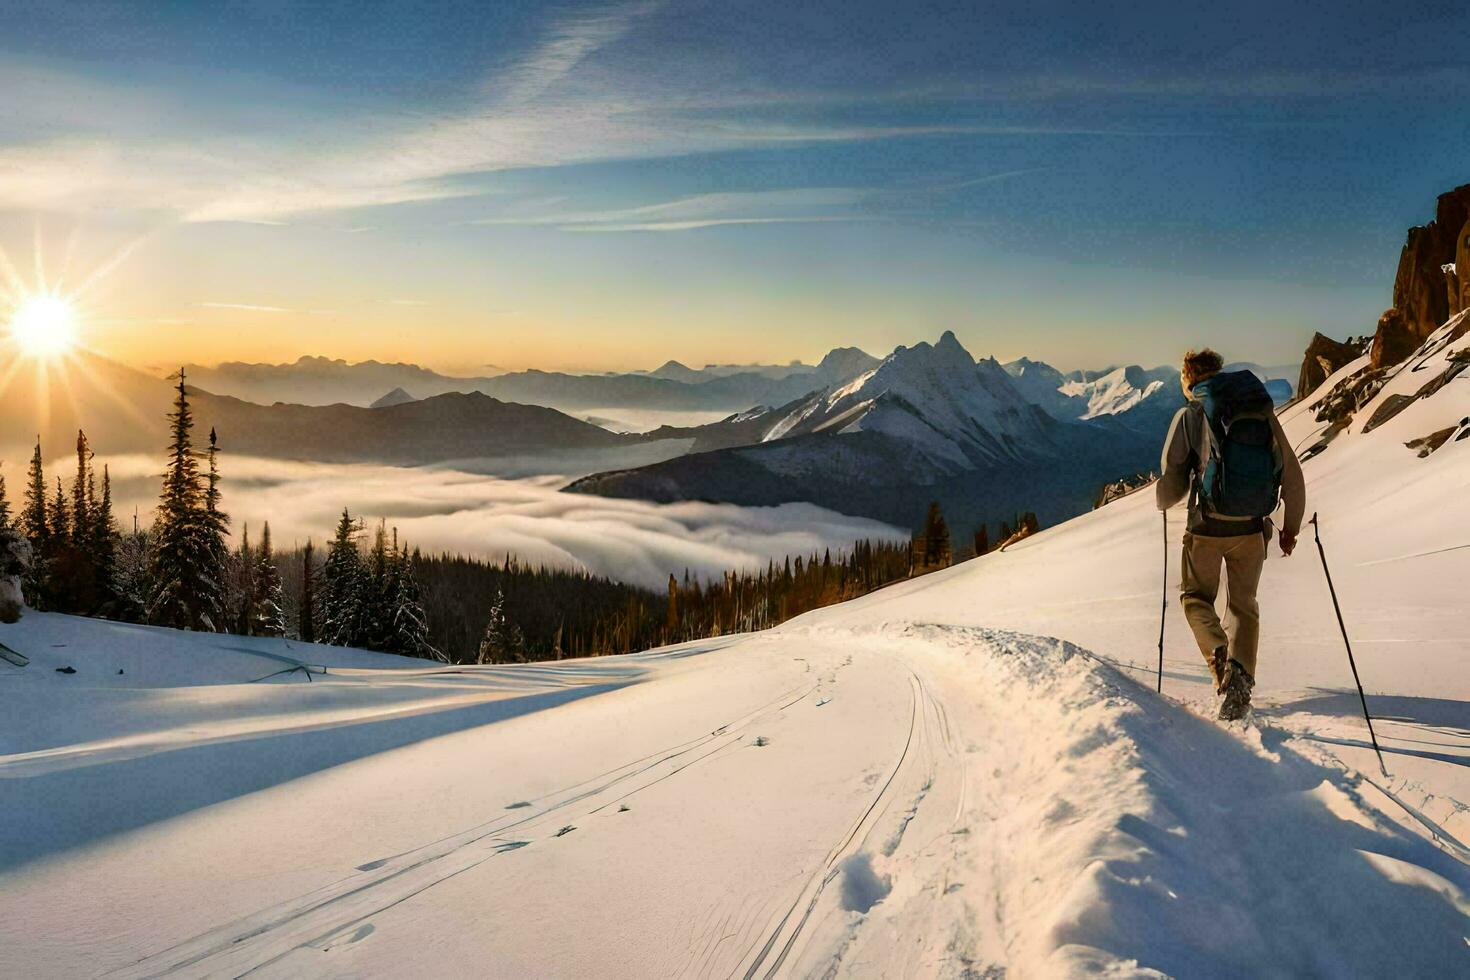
1394, 341
1324, 357
1462, 270
1421, 288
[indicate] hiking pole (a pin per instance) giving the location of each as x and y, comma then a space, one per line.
1164, 607
1317, 533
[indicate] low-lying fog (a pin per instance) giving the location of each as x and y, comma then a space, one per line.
444, 509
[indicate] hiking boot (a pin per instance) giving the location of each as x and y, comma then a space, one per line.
1237, 687
1218, 660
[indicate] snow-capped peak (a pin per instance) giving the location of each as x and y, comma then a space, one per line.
933, 396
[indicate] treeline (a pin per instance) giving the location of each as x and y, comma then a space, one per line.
506, 612
180, 572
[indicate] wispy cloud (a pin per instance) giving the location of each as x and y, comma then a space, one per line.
785, 206
253, 308
261, 160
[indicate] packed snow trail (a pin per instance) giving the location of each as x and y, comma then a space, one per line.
899, 800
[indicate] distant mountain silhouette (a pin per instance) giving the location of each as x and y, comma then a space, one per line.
395, 397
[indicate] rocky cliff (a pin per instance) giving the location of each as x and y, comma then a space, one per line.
1324, 357
1426, 289
1432, 285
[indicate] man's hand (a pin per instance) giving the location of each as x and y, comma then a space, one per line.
1288, 543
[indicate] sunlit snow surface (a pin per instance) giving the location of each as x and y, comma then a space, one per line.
961, 775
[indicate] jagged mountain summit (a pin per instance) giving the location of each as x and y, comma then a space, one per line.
957, 413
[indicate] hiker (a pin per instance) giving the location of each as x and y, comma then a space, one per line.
1227, 452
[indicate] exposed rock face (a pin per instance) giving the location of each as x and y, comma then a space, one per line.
1421, 289
1394, 341
1324, 357
1461, 275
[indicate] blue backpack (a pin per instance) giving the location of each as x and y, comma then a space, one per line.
1242, 473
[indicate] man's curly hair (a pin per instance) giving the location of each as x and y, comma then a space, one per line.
1199, 365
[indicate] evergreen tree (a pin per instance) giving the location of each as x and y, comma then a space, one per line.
268, 600
982, 541
105, 538
33, 520
187, 543
410, 622
240, 592
306, 628
502, 642
81, 500
382, 592
132, 574
937, 551
58, 518
4, 503
345, 585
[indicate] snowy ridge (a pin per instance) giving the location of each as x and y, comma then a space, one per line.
1117, 391
937, 398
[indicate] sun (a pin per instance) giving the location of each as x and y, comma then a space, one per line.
44, 326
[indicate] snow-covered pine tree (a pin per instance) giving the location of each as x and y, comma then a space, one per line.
4, 501
410, 621
269, 602
502, 642
344, 587
132, 574
15, 561
307, 615
186, 541
240, 587
382, 591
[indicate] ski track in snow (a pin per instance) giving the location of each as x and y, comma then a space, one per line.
1055, 820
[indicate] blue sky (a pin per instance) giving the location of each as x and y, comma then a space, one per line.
607, 185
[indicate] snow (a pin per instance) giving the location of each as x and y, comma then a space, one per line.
1117, 391
935, 397
967, 774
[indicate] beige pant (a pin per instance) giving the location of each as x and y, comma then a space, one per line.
1242, 556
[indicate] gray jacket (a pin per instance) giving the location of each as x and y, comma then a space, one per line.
1183, 461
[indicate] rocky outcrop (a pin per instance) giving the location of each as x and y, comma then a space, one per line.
1394, 340
1421, 288
1460, 278
1323, 359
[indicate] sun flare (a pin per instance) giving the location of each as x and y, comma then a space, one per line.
44, 326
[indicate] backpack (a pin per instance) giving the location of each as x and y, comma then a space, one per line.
1242, 471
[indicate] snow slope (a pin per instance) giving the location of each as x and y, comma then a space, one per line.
965, 775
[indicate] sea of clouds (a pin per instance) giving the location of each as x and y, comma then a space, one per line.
443, 509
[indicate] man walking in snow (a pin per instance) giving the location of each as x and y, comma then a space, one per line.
1227, 452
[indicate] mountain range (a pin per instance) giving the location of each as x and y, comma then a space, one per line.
861, 436
928, 423
716, 388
